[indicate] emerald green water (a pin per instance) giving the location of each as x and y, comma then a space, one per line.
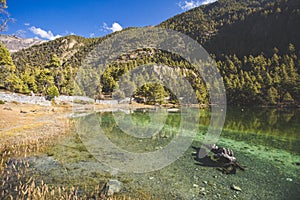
265, 140
278, 128
274, 128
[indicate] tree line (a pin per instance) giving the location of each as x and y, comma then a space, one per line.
252, 80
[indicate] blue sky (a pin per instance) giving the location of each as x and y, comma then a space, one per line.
90, 18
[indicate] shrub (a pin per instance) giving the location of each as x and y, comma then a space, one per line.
52, 92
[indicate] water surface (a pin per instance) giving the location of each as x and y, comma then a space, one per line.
265, 140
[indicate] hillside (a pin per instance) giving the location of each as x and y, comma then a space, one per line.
65, 48
241, 27
256, 45
275, 26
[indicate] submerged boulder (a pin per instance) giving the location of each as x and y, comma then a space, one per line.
219, 157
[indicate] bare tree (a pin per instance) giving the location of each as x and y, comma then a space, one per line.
4, 16
3, 3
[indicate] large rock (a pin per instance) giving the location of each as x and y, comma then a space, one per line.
112, 186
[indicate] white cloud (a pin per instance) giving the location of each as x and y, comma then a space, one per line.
208, 2
115, 27
92, 35
26, 24
43, 34
187, 5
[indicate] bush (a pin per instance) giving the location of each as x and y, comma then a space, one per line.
52, 92
2, 102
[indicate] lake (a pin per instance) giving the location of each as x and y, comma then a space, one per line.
115, 145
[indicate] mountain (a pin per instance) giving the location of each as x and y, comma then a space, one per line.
241, 27
69, 49
14, 43
65, 48
255, 43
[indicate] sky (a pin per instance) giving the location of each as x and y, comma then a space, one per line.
50, 19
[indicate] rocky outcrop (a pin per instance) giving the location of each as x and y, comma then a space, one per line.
14, 43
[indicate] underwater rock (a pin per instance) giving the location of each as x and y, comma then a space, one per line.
236, 188
219, 157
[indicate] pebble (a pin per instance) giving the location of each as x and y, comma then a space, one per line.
205, 182
195, 185
195, 177
139, 182
212, 184
151, 178
236, 188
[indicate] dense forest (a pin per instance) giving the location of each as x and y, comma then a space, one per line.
241, 27
255, 44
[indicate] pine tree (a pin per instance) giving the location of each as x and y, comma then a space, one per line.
52, 92
273, 96
29, 83
7, 67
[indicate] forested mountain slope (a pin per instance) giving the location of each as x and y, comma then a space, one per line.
241, 27
255, 43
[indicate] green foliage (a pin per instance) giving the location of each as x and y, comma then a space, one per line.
288, 99
259, 80
273, 96
7, 66
52, 92
29, 82
154, 93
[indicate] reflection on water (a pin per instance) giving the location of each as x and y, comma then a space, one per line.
278, 128
137, 143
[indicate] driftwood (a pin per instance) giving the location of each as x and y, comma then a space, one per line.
219, 157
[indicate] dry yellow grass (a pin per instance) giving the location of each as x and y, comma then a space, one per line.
23, 123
